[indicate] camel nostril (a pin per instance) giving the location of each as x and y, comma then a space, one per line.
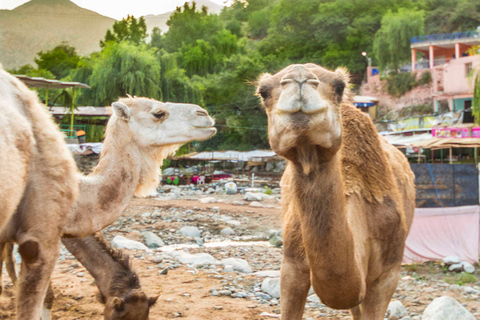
202, 113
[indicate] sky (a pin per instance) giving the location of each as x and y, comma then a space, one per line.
118, 9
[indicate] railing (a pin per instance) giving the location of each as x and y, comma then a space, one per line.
445, 36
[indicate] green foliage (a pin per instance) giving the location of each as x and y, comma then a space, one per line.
59, 61
400, 83
476, 99
392, 42
268, 190
462, 278
157, 38
128, 29
445, 16
123, 68
425, 78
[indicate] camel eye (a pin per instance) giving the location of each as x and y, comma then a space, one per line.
340, 88
160, 115
264, 92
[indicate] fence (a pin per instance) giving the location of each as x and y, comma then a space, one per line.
456, 185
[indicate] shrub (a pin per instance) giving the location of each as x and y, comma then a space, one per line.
425, 78
400, 83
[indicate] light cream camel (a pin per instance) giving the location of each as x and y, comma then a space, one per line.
347, 195
139, 135
38, 185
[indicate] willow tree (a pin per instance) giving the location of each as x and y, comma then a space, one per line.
124, 68
391, 45
476, 99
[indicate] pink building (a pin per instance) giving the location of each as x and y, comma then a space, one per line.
451, 67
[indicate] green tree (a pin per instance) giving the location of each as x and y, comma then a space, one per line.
125, 68
156, 38
59, 60
392, 42
128, 29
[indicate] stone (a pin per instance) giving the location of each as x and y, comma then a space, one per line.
121, 242
396, 310
313, 298
80, 274
238, 265
253, 196
207, 200
146, 215
446, 308
276, 241
467, 267
451, 260
152, 240
263, 296
256, 204
227, 231
228, 268
268, 274
231, 188
456, 267
195, 259
157, 259
225, 293
190, 232
164, 271
271, 286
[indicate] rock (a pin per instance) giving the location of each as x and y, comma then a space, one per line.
231, 188
164, 271
263, 296
396, 310
168, 171
446, 308
157, 259
80, 274
271, 286
146, 215
227, 231
238, 265
225, 293
228, 268
467, 267
255, 204
195, 259
233, 222
207, 200
456, 267
252, 196
470, 290
152, 240
451, 260
313, 298
190, 232
276, 241
121, 242
268, 274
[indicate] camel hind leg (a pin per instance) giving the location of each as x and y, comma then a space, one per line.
10, 262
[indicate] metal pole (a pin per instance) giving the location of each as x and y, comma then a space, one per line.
72, 109
46, 97
451, 154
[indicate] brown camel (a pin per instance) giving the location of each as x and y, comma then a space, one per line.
140, 134
38, 186
346, 216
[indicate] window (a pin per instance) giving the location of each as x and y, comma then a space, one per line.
468, 68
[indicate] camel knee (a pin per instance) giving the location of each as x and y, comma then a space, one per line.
29, 251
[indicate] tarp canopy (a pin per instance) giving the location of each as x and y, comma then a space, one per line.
446, 143
437, 233
38, 82
404, 141
254, 155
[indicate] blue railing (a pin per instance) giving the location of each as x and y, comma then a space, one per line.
445, 36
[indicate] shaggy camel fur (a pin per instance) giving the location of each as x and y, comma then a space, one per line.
38, 185
139, 135
346, 215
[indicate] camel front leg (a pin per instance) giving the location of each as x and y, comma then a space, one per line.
295, 278
48, 303
38, 260
10, 262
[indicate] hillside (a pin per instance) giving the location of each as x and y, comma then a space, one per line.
42, 24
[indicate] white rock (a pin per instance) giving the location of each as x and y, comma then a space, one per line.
168, 171
227, 231
146, 215
207, 200
313, 298
230, 188
446, 308
271, 286
121, 242
467, 267
456, 267
396, 310
190, 232
228, 268
233, 222
152, 240
238, 265
195, 259
251, 196
451, 260
268, 274
255, 204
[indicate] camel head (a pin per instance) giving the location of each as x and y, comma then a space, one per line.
303, 108
153, 123
135, 305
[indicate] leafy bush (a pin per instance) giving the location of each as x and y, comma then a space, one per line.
400, 83
425, 78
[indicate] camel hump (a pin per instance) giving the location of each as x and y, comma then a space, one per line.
366, 168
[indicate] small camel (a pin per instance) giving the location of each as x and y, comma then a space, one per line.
139, 135
38, 185
346, 215
118, 284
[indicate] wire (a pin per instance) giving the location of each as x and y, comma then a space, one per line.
235, 127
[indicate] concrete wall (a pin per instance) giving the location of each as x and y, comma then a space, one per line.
459, 104
455, 79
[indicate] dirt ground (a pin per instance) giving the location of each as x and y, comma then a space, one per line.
185, 293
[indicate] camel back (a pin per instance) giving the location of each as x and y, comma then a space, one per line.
365, 166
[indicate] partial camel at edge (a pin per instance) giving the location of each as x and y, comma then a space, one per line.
348, 197
139, 135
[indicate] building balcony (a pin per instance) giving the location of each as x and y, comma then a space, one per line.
445, 37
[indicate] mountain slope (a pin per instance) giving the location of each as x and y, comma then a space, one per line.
42, 24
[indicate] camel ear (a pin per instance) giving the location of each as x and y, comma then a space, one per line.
118, 303
152, 300
121, 110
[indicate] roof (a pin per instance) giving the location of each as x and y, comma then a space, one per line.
446, 143
445, 40
37, 82
83, 111
254, 155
